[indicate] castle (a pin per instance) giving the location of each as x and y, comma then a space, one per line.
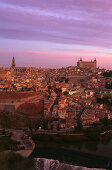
91, 65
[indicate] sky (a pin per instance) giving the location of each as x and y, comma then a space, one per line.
55, 33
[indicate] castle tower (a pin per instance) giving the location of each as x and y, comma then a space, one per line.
13, 62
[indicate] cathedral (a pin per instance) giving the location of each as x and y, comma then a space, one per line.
91, 65
19, 69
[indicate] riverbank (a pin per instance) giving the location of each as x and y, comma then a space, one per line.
15, 148
25, 144
71, 131
48, 164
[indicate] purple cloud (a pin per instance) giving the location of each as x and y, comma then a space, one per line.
49, 21
70, 22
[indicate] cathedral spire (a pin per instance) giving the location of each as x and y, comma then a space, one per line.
13, 62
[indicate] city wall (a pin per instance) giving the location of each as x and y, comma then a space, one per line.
8, 105
17, 100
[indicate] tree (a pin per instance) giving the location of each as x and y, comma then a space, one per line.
49, 87
51, 126
58, 127
99, 100
45, 124
66, 80
111, 85
79, 125
65, 93
105, 100
107, 74
29, 125
62, 78
58, 90
36, 126
107, 85
105, 121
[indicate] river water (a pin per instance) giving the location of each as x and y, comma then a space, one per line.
91, 154
102, 147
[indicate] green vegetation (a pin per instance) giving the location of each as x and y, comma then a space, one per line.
107, 74
106, 122
50, 87
13, 161
7, 144
58, 91
9, 160
35, 124
58, 127
64, 79
65, 93
105, 100
24, 89
49, 91
79, 126
108, 85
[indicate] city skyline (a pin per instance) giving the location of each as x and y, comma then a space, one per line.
55, 33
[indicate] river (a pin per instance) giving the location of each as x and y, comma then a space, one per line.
87, 153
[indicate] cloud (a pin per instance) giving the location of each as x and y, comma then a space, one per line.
84, 23
71, 22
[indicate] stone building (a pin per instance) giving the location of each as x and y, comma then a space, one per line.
3, 74
87, 64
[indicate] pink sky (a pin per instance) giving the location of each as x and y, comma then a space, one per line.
55, 33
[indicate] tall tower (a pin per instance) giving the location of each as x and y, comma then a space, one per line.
95, 64
13, 62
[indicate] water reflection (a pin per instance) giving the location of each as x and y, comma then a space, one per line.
101, 147
106, 140
91, 146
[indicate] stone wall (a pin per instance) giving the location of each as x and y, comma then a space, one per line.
7, 107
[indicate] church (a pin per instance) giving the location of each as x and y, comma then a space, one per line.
19, 69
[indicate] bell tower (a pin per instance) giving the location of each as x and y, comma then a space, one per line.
95, 64
13, 63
